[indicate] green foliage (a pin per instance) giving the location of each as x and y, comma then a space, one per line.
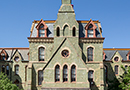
125, 79
6, 84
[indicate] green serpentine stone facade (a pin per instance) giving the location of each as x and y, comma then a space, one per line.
69, 35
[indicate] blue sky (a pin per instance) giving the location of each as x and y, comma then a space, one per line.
16, 17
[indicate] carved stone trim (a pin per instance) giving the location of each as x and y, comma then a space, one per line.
92, 40
45, 40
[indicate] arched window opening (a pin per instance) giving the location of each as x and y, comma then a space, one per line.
41, 31
90, 31
90, 77
58, 32
106, 73
17, 69
126, 67
7, 70
116, 69
90, 54
57, 73
41, 54
73, 73
65, 73
26, 73
66, 30
3, 57
3, 68
74, 32
40, 77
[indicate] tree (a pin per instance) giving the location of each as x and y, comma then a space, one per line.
125, 79
6, 84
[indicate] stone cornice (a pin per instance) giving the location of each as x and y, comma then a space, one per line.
92, 40
41, 39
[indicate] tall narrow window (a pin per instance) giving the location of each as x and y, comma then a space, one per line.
40, 77
73, 73
7, 70
26, 73
74, 31
65, 73
90, 77
126, 69
41, 54
58, 32
90, 54
116, 69
90, 31
3, 56
3, 69
105, 73
41, 31
57, 73
17, 69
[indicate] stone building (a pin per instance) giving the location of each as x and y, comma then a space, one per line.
64, 54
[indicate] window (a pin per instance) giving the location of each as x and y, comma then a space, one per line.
90, 77
41, 54
90, 54
3, 56
105, 73
40, 77
17, 69
73, 73
57, 73
65, 73
90, 33
65, 53
58, 32
116, 59
7, 70
3, 69
116, 69
16, 58
74, 31
26, 73
126, 69
42, 33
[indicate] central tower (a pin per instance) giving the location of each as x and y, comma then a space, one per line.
66, 25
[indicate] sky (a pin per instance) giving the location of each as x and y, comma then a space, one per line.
16, 17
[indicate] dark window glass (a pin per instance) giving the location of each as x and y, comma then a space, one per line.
65, 73
73, 73
17, 70
90, 77
57, 73
105, 71
7, 70
65, 53
16, 82
116, 59
40, 77
116, 69
58, 32
41, 54
25, 73
90, 54
74, 32
3, 69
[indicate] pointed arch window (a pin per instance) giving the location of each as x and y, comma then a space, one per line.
40, 77
116, 69
74, 32
73, 73
41, 53
3, 68
58, 32
7, 70
65, 73
90, 77
17, 69
90, 54
57, 73
106, 72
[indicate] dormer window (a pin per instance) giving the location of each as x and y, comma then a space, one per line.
3, 55
90, 29
41, 29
